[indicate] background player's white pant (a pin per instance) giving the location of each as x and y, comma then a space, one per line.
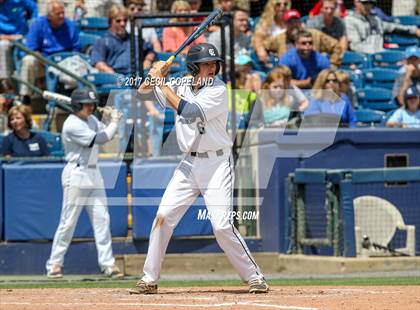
214, 178
76, 196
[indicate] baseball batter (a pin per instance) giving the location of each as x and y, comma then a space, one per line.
201, 103
82, 182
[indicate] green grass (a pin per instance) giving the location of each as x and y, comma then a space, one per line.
105, 283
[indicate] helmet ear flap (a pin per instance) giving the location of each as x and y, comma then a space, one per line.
193, 68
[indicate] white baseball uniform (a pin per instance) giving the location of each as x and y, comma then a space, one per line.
207, 168
82, 187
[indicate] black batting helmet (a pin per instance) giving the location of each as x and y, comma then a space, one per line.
81, 96
200, 53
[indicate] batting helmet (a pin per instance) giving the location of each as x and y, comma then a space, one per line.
200, 53
81, 96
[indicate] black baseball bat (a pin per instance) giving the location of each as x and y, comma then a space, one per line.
210, 20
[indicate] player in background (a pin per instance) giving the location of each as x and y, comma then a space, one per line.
82, 182
201, 104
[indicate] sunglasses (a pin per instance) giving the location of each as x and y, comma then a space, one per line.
307, 43
120, 20
331, 81
138, 7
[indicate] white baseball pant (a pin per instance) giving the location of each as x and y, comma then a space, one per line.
83, 188
213, 177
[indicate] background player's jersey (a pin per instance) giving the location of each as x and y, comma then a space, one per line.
208, 133
78, 137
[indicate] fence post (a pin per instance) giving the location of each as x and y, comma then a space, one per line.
347, 216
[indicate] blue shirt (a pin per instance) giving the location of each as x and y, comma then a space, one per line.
304, 68
47, 40
341, 107
115, 52
14, 16
406, 117
35, 145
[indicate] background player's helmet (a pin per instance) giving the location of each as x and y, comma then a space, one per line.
202, 52
81, 96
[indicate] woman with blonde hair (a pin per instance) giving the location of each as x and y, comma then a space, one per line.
173, 37
22, 142
270, 25
327, 99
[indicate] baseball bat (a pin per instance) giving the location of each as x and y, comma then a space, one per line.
210, 20
63, 102
366, 243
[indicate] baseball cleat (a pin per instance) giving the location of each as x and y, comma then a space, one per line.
113, 272
55, 272
258, 286
144, 288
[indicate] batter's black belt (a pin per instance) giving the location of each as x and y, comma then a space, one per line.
205, 154
88, 166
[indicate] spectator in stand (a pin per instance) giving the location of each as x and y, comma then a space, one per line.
111, 53
227, 6
21, 142
322, 42
339, 11
173, 37
92, 8
409, 116
15, 15
49, 34
242, 40
279, 98
409, 74
195, 8
303, 61
149, 34
326, 98
270, 25
346, 87
365, 31
330, 24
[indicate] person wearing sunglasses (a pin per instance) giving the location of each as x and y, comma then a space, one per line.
303, 61
326, 99
365, 31
270, 25
149, 34
322, 42
111, 53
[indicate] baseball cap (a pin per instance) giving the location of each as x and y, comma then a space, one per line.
411, 92
412, 51
84, 95
243, 60
288, 15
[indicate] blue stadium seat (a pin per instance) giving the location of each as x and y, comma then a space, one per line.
388, 59
380, 77
51, 79
376, 98
53, 142
402, 41
408, 20
351, 59
95, 25
87, 39
104, 82
355, 77
159, 30
369, 117
179, 64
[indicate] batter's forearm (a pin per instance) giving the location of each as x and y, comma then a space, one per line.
172, 99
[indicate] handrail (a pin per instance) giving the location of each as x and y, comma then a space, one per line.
53, 64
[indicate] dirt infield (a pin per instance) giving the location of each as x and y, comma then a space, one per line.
280, 297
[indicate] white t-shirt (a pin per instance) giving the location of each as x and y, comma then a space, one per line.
78, 137
212, 100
